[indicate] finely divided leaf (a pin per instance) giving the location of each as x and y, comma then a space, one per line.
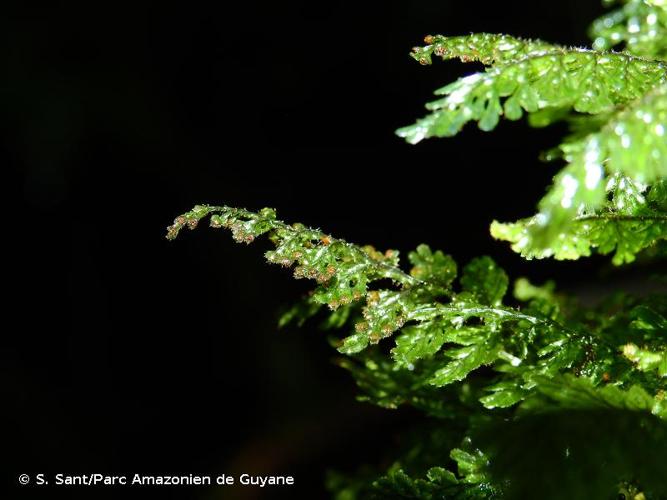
485, 281
487, 48
641, 25
433, 267
587, 81
465, 360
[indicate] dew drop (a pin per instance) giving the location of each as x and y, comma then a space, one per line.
570, 185
522, 242
541, 219
593, 175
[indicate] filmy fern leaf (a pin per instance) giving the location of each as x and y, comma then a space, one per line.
443, 332
622, 153
587, 81
487, 48
640, 25
533, 396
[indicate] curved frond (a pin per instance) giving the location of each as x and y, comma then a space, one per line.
598, 200
625, 98
587, 81
446, 330
487, 48
458, 327
633, 142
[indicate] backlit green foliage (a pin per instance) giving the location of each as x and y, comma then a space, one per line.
462, 346
639, 25
526, 394
599, 199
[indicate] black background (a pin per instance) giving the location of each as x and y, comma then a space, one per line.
126, 353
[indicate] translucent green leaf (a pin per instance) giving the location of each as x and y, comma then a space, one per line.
624, 235
354, 344
464, 361
471, 464
513, 109
440, 475
485, 280
524, 290
598, 200
424, 340
558, 356
547, 116
586, 81
484, 47
641, 25
434, 267
417, 342
633, 142
503, 395
438, 484
299, 313
554, 80
646, 318
572, 392
647, 360
343, 271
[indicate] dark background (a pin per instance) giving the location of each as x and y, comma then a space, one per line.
123, 352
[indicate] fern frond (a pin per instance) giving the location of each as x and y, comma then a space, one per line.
389, 385
487, 48
611, 430
576, 393
412, 475
647, 360
640, 25
342, 270
494, 372
629, 221
587, 81
627, 95
438, 482
445, 331
633, 141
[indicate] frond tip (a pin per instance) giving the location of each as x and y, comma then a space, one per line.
343, 271
487, 48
